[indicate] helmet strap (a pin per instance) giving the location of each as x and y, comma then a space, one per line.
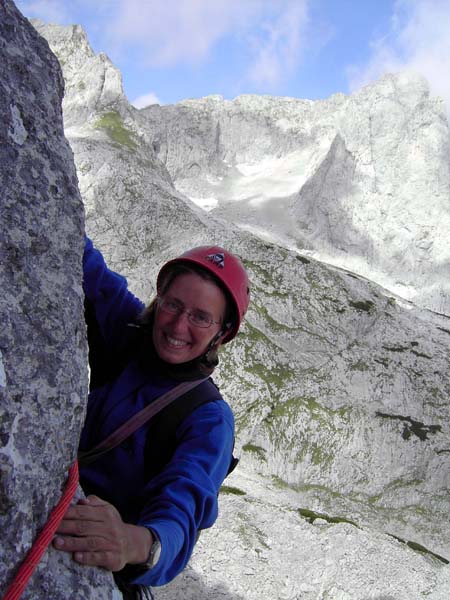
214, 342
217, 339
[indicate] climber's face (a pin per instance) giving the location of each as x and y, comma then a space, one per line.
188, 316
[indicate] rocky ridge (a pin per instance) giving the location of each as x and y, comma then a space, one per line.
360, 181
43, 374
340, 391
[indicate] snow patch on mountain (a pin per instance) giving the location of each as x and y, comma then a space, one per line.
361, 181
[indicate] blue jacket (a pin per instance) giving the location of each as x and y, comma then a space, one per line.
182, 498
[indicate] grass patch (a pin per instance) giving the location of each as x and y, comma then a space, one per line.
313, 488
234, 491
359, 366
253, 335
317, 411
256, 450
280, 483
264, 274
396, 348
284, 416
274, 325
421, 354
276, 377
311, 516
112, 124
419, 548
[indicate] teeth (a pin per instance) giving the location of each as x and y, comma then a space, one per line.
175, 342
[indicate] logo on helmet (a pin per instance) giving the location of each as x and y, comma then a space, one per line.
218, 259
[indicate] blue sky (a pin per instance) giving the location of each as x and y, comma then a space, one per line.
168, 50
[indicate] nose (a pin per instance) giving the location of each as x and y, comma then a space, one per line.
180, 322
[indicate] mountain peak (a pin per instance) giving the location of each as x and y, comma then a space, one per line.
93, 83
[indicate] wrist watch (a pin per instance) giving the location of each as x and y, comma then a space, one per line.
137, 569
155, 552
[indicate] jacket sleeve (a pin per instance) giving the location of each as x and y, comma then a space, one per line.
108, 293
183, 498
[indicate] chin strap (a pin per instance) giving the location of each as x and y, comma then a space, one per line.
210, 356
221, 333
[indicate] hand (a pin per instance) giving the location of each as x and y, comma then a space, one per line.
94, 531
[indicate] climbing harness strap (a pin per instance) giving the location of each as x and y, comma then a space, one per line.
136, 421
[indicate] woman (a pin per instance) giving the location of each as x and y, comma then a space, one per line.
149, 497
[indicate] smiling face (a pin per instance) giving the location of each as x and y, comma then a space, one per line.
176, 340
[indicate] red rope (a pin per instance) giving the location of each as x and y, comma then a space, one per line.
43, 540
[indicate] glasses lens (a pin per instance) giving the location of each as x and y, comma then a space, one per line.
169, 306
199, 319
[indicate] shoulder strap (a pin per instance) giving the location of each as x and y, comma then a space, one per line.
173, 415
161, 438
136, 421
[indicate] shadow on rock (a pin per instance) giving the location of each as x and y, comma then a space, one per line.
190, 586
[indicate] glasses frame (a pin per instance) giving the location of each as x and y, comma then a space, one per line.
162, 305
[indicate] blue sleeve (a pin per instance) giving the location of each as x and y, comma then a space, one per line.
184, 496
107, 292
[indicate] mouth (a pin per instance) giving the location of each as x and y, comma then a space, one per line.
175, 343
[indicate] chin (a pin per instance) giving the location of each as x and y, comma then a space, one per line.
173, 360
171, 357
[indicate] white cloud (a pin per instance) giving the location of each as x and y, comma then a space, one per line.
419, 40
179, 31
270, 34
278, 51
146, 100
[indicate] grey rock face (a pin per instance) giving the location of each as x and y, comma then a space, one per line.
358, 181
266, 546
43, 374
93, 81
340, 389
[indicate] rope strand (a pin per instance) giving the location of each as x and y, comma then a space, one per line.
26, 569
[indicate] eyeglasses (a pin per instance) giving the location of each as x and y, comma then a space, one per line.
198, 318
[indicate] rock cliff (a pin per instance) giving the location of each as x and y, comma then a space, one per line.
340, 389
358, 181
361, 181
43, 373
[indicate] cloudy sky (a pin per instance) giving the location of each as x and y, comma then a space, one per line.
169, 50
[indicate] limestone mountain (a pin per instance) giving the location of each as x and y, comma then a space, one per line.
358, 181
340, 388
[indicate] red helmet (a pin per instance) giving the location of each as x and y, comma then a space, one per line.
227, 268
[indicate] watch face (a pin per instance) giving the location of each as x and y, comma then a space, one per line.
155, 553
